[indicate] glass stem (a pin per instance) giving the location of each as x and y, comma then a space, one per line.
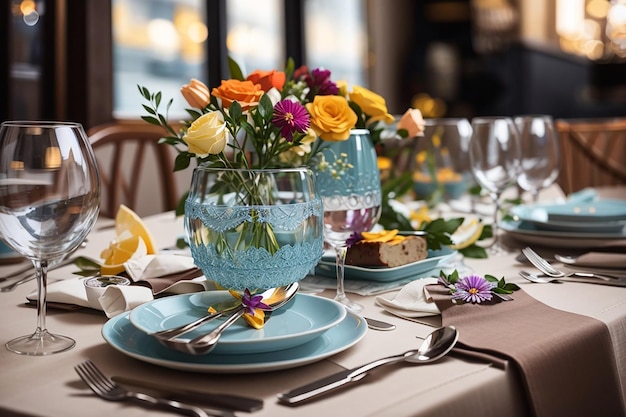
341, 259
496, 200
42, 292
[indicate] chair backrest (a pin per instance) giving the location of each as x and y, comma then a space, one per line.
593, 153
135, 169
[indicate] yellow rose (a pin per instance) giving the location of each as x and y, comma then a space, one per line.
413, 122
207, 134
371, 104
196, 93
342, 86
331, 117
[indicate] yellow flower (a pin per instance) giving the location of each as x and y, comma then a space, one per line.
331, 117
207, 134
196, 93
413, 122
371, 104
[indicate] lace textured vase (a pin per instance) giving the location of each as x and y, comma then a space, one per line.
254, 229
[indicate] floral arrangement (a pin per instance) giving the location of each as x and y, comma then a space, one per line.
269, 119
474, 288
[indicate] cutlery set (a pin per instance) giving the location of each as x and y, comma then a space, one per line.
552, 274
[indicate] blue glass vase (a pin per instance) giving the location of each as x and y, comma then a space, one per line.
254, 229
348, 181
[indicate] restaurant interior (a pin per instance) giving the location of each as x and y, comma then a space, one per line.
479, 148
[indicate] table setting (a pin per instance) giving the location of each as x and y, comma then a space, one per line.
265, 311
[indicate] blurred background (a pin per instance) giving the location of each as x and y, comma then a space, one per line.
81, 60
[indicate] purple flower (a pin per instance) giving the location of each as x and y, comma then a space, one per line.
290, 117
354, 238
251, 302
321, 84
472, 289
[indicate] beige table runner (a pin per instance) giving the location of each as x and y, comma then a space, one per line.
566, 361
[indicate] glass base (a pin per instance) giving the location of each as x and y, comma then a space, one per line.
40, 343
350, 305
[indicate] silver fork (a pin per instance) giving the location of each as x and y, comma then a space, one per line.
545, 267
105, 388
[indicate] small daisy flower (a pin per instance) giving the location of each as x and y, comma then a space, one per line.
290, 117
473, 289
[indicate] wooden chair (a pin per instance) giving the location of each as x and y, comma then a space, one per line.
135, 169
593, 153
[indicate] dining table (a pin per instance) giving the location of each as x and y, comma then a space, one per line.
455, 385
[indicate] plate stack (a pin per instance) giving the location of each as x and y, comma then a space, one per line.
571, 224
309, 328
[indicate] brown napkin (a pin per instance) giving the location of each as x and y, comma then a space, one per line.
566, 361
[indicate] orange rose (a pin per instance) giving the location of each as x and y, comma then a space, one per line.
196, 93
246, 93
413, 122
268, 79
331, 117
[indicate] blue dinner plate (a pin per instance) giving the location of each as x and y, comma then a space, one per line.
126, 338
300, 321
326, 267
599, 216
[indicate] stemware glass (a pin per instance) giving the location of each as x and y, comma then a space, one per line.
540, 160
349, 183
495, 157
49, 201
443, 169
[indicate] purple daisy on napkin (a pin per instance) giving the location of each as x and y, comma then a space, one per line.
472, 289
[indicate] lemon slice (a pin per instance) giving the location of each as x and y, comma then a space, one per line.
467, 233
128, 224
119, 252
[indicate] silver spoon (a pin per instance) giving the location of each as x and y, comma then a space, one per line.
205, 343
434, 347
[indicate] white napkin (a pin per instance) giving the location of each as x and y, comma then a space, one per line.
117, 299
412, 300
153, 266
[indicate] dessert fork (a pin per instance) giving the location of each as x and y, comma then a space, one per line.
545, 267
105, 388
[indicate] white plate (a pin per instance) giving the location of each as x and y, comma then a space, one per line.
602, 216
300, 321
126, 338
326, 267
527, 232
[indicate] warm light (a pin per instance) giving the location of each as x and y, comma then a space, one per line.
570, 15
594, 49
617, 14
198, 32
598, 9
17, 165
163, 37
53, 158
27, 7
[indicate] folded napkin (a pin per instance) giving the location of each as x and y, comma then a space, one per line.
413, 300
151, 275
566, 361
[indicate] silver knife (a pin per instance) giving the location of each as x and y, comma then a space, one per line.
228, 401
320, 386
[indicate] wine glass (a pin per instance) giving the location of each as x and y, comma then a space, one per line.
49, 199
495, 158
442, 171
349, 183
540, 160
